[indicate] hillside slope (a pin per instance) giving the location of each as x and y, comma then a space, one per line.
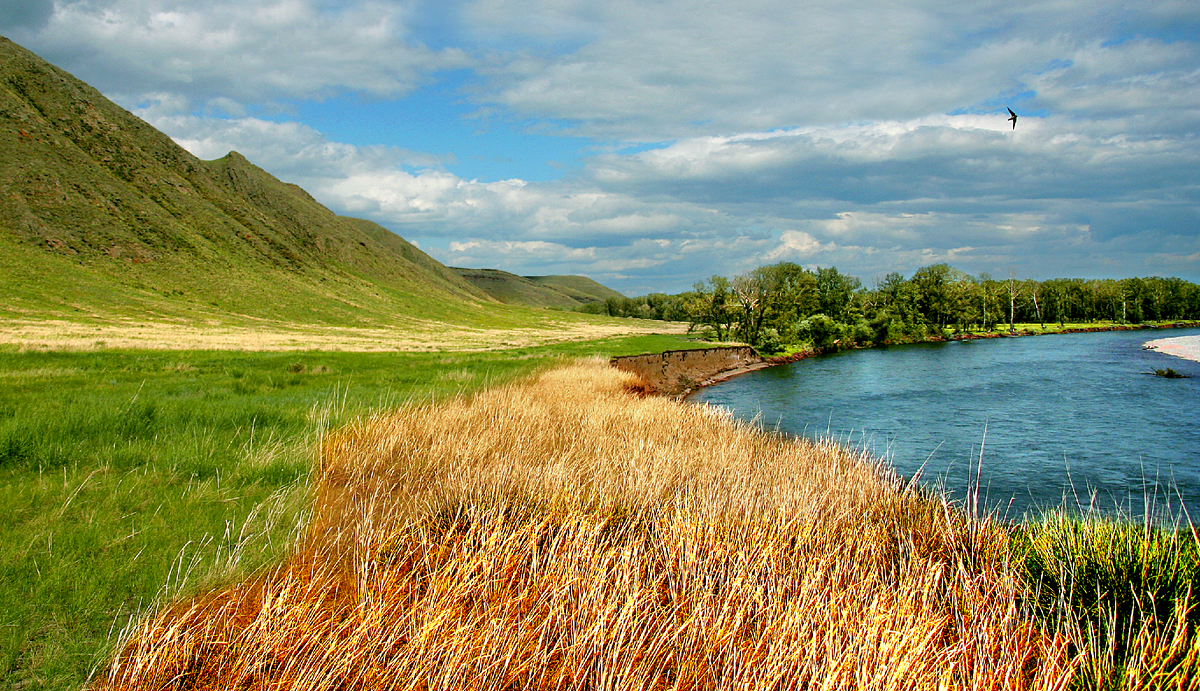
101, 215
581, 288
555, 292
512, 289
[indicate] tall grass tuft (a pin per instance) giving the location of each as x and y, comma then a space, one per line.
566, 533
1123, 596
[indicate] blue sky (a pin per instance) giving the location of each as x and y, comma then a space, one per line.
649, 145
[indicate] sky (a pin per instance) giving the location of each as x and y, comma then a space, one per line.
651, 144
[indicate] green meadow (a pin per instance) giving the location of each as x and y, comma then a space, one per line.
133, 476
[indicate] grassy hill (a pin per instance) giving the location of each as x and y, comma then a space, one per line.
581, 288
512, 289
103, 217
557, 292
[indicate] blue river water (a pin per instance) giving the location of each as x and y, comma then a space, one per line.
1035, 423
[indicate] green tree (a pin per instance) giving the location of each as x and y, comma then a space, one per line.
754, 295
713, 306
820, 330
835, 292
794, 298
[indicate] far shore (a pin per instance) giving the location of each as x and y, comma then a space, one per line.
668, 378
1186, 347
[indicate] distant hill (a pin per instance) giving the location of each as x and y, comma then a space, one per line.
512, 289
555, 292
581, 288
101, 215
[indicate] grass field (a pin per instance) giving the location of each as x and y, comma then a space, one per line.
469, 526
566, 533
131, 476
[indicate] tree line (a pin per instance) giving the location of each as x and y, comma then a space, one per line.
780, 305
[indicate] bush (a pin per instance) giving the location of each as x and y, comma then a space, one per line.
819, 330
860, 333
769, 342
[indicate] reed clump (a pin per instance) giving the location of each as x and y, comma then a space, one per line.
566, 533
1122, 594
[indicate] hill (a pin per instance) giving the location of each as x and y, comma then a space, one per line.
555, 292
103, 216
581, 288
512, 289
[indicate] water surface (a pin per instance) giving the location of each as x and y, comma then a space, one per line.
1047, 419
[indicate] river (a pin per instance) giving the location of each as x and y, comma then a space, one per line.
1074, 420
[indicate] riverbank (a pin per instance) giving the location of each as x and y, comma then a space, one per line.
564, 532
1186, 347
1053, 331
678, 374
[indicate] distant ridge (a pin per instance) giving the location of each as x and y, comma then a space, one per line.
581, 288
100, 213
555, 292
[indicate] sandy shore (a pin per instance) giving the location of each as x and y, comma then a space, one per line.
1187, 347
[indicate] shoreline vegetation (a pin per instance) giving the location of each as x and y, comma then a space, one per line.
565, 532
781, 308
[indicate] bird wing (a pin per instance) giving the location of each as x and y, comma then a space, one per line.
1011, 113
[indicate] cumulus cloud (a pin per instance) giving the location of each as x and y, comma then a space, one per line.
869, 136
663, 70
959, 157
868, 199
240, 52
636, 244
645, 72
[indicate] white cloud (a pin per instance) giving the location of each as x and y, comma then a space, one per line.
652, 71
241, 52
861, 198
289, 149
796, 245
548, 258
870, 136
645, 72
1140, 87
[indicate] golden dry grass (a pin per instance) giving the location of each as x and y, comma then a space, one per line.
275, 336
565, 533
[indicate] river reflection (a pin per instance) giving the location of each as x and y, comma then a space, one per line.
1070, 418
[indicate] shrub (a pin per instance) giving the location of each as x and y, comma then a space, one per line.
819, 330
769, 342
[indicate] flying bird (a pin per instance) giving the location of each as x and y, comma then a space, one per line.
1013, 118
